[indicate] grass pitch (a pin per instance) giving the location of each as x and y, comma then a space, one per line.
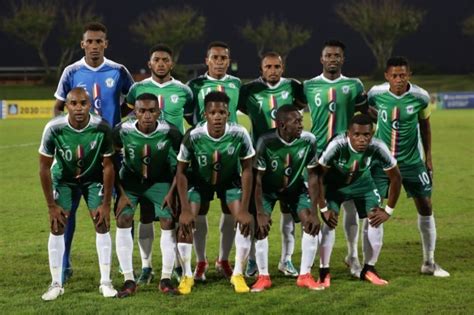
24, 260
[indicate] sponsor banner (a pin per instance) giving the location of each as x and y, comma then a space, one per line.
27, 109
456, 100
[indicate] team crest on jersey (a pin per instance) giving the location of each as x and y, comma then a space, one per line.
395, 124
93, 144
345, 89
273, 114
410, 109
232, 85
217, 166
285, 94
174, 98
288, 171
230, 150
109, 82
160, 145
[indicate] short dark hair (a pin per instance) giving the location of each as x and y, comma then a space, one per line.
216, 96
161, 47
283, 111
95, 27
147, 97
397, 61
334, 43
273, 54
361, 119
217, 44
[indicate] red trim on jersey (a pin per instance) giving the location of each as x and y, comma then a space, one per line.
394, 149
332, 114
216, 158
146, 155
286, 178
272, 102
79, 160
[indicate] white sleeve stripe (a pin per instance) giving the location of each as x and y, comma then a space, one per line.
248, 156
261, 168
390, 167
183, 160
59, 97
45, 154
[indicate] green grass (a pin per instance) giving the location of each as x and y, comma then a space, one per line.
432, 83
24, 259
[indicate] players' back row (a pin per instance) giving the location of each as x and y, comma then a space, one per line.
331, 97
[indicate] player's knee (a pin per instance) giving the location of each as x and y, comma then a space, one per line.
424, 206
58, 231
101, 228
166, 224
124, 221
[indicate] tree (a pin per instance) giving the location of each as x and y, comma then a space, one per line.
31, 23
174, 27
381, 23
468, 26
74, 18
279, 36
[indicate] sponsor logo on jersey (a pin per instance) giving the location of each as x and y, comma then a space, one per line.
410, 109
232, 85
345, 89
285, 94
93, 144
174, 98
109, 82
231, 150
82, 85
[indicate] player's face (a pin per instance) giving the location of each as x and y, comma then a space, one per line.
332, 59
78, 106
293, 125
216, 115
94, 44
147, 112
360, 136
160, 64
272, 69
217, 62
398, 78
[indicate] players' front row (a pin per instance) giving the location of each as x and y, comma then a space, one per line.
216, 156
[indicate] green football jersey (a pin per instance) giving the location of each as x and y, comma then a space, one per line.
204, 84
150, 157
216, 161
332, 104
259, 101
397, 121
283, 162
77, 153
350, 170
174, 99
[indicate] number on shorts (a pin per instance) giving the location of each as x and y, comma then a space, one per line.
424, 178
379, 199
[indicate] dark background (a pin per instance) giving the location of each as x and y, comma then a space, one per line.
437, 47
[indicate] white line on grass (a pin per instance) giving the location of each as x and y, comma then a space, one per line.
4, 147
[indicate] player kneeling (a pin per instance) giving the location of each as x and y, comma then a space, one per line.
345, 169
282, 156
216, 151
150, 147
80, 143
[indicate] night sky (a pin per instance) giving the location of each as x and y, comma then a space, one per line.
438, 43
